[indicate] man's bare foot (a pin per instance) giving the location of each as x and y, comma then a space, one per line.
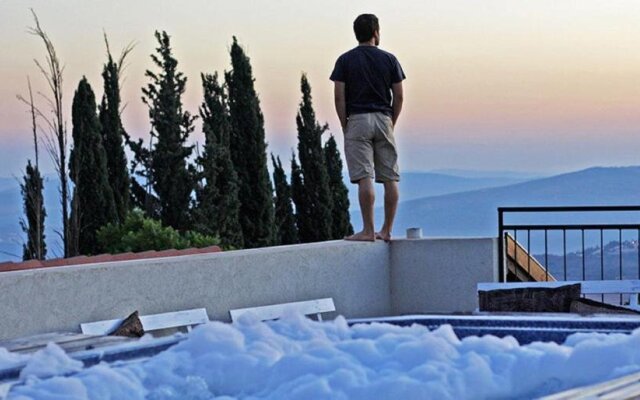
383, 236
362, 237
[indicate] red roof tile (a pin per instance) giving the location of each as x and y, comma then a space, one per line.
101, 258
12, 266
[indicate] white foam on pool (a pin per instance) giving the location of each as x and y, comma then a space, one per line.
296, 358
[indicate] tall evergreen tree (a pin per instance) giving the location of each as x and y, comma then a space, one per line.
113, 132
217, 210
316, 204
248, 152
167, 160
92, 204
285, 220
340, 218
303, 220
141, 195
32, 197
33, 205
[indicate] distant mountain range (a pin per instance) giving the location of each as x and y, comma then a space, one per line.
593, 265
443, 205
415, 185
474, 213
468, 173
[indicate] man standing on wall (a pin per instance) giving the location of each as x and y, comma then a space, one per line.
368, 98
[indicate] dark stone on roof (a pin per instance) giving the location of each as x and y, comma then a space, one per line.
130, 327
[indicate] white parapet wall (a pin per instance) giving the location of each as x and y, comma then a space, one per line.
364, 279
440, 275
355, 275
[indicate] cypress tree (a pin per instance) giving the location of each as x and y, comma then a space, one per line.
167, 160
316, 204
141, 196
92, 204
32, 197
113, 133
340, 218
248, 152
285, 221
33, 205
217, 211
298, 195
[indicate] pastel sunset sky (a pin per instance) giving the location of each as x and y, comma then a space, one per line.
543, 86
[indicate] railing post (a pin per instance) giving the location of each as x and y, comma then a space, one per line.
501, 258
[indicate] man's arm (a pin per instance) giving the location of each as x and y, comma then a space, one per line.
398, 98
341, 103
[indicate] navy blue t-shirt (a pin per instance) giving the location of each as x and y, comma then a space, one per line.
368, 73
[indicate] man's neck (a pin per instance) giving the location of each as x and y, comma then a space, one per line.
368, 43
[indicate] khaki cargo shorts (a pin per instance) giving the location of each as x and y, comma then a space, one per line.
370, 148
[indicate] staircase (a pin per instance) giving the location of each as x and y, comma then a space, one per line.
522, 266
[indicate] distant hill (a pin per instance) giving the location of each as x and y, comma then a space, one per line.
595, 267
469, 173
473, 213
416, 185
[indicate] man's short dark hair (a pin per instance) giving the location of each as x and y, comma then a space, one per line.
365, 26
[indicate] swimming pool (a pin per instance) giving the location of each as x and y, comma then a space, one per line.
409, 357
526, 328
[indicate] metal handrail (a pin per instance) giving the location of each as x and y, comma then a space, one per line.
503, 229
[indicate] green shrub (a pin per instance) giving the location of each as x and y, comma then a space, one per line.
139, 233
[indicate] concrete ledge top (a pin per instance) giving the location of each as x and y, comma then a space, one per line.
338, 245
327, 245
450, 238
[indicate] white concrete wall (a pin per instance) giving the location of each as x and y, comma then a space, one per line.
356, 275
364, 279
440, 275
